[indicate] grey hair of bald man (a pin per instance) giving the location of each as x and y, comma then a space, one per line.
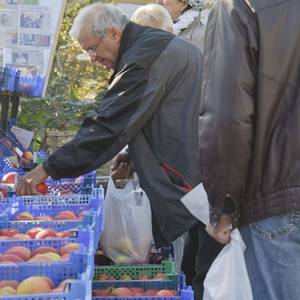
153, 15
98, 19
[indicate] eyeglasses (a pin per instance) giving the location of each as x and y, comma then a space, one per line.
93, 49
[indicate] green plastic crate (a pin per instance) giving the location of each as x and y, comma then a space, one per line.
167, 267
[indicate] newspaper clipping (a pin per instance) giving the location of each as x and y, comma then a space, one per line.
25, 35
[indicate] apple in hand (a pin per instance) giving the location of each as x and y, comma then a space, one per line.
42, 188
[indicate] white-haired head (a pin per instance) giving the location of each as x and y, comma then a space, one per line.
153, 15
98, 19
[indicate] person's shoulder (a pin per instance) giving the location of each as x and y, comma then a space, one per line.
257, 5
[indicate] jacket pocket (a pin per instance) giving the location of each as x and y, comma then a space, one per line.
276, 227
176, 177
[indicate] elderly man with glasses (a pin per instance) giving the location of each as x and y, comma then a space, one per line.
152, 104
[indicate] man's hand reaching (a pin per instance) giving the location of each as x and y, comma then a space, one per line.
221, 232
27, 184
121, 167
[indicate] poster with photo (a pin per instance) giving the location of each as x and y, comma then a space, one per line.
30, 62
28, 34
8, 28
35, 18
36, 40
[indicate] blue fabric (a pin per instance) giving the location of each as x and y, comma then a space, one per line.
273, 257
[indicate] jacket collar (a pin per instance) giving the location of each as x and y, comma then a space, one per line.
129, 36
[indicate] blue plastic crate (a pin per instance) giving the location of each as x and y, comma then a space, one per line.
83, 259
84, 237
51, 205
31, 86
80, 262
57, 225
177, 284
8, 79
79, 289
4, 162
83, 184
184, 294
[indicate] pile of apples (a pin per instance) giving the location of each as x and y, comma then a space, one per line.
21, 254
31, 285
34, 233
158, 276
133, 291
63, 215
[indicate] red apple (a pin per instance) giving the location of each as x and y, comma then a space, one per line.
20, 236
20, 251
159, 276
27, 155
8, 232
12, 283
66, 215
43, 249
143, 277
46, 233
24, 216
42, 188
11, 258
101, 293
105, 277
10, 178
151, 292
34, 231
121, 291
166, 293
137, 291
63, 234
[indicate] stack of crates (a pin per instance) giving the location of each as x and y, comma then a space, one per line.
130, 278
78, 196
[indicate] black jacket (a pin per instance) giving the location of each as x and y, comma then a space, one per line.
152, 105
249, 124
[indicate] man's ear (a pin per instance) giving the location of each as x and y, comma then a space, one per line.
184, 5
115, 34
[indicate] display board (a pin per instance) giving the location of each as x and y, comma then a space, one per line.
28, 35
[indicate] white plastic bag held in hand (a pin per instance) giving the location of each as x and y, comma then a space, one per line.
127, 235
227, 278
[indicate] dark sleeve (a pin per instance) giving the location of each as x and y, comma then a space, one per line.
130, 101
227, 104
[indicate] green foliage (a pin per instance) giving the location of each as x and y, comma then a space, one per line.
71, 77
40, 115
71, 82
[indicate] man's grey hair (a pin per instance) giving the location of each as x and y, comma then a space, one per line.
153, 15
98, 19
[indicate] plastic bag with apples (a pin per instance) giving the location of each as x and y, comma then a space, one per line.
127, 235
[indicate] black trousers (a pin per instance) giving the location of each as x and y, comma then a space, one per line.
200, 251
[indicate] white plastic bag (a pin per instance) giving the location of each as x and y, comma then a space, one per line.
227, 278
127, 235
